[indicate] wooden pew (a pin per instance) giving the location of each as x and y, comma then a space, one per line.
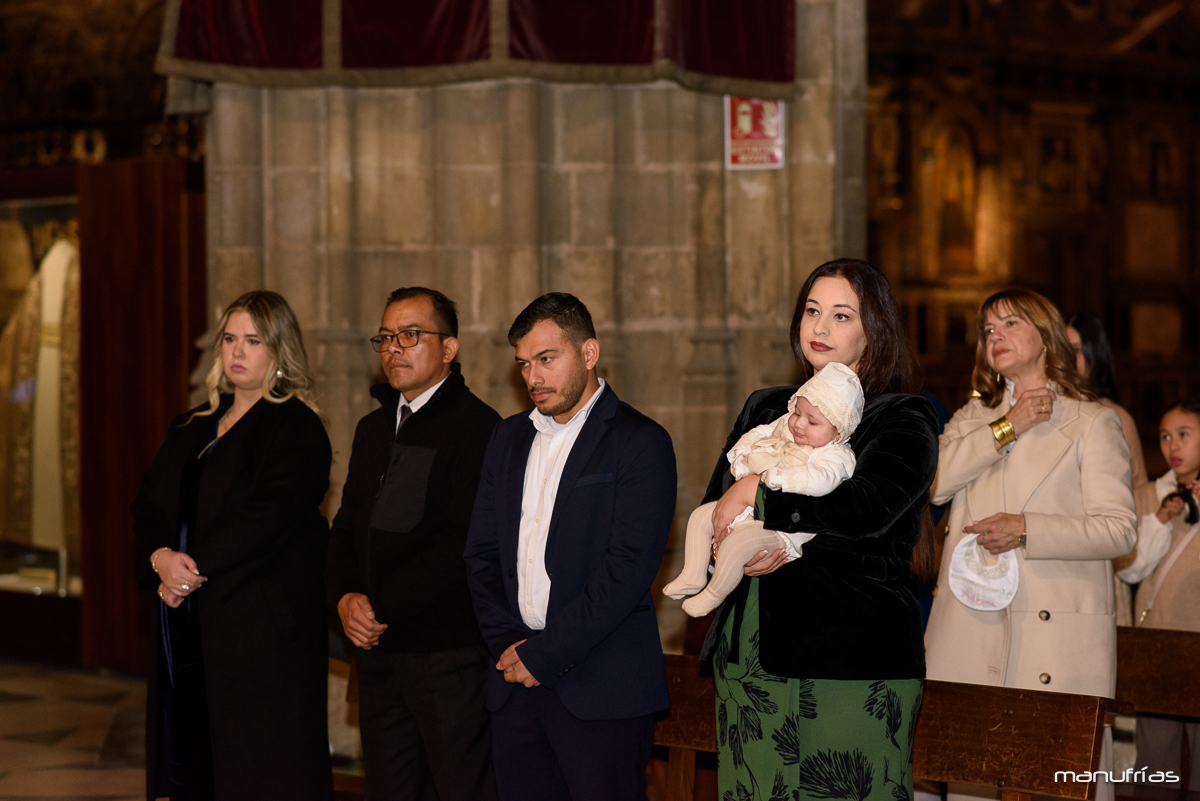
1158, 671
1015, 740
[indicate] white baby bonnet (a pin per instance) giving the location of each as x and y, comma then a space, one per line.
837, 393
979, 585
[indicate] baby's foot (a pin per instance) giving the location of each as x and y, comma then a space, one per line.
700, 605
682, 587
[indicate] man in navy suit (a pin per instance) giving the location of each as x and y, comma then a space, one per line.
575, 502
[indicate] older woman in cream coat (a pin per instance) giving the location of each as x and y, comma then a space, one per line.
1036, 465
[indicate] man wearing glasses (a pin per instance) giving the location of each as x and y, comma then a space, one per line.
395, 571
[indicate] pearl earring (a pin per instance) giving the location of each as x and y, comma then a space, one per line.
278, 373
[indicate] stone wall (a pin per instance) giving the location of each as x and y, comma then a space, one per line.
495, 192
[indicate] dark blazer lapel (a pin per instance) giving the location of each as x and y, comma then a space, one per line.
225, 463
594, 430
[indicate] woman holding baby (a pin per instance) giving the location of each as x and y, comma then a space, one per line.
817, 653
1038, 473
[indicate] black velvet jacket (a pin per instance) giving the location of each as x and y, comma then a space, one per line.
847, 609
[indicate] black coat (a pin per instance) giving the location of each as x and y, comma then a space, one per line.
260, 539
410, 567
846, 609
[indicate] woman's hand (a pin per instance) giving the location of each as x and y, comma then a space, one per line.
999, 533
733, 503
178, 573
1033, 407
764, 563
169, 596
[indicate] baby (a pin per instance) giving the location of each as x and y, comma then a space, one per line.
804, 452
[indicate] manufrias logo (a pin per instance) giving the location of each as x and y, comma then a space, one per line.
1141, 776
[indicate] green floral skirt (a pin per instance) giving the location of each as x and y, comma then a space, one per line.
788, 739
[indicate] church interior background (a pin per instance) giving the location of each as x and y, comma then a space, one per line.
960, 145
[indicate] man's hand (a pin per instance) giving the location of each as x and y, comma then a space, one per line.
358, 620
514, 669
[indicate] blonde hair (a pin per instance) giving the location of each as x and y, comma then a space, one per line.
1060, 355
276, 325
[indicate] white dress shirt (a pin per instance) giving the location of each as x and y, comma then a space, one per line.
416, 403
551, 446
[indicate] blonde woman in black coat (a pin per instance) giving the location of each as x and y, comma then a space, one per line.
233, 541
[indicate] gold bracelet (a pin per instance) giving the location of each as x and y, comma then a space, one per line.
154, 558
1002, 431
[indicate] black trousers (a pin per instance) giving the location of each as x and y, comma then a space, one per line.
424, 724
544, 753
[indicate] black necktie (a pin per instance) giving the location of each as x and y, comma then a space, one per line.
405, 412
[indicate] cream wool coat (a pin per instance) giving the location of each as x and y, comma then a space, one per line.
1070, 477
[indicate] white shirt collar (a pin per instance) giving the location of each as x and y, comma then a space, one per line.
548, 425
416, 403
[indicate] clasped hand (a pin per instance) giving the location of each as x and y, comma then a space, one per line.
999, 533
514, 669
179, 576
1173, 507
358, 620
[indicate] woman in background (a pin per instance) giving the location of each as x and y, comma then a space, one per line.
233, 541
1094, 361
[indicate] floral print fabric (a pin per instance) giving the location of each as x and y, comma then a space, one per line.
785, 739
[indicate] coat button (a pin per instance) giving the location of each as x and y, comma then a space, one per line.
795, 517
512, 572
1044, 678
1044, 615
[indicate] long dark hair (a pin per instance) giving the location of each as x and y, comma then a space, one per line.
887, 365
1097, 353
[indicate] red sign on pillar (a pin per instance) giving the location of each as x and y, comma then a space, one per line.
753, 133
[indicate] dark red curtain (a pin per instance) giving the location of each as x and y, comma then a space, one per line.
582, 31
423, 33
282, 34
750, 40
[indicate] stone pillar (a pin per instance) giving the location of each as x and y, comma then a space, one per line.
850, 127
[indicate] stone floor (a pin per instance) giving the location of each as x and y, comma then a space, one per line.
69, 735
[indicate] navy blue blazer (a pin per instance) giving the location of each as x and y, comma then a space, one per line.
600, 649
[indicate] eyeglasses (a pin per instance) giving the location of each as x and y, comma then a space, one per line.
408, 338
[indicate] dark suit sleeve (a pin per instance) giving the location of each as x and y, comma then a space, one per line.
341, 571
645, 505
289, 485
417, 583
894, 470
499, 624
151, 528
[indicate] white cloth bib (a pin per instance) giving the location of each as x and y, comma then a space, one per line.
979, 585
